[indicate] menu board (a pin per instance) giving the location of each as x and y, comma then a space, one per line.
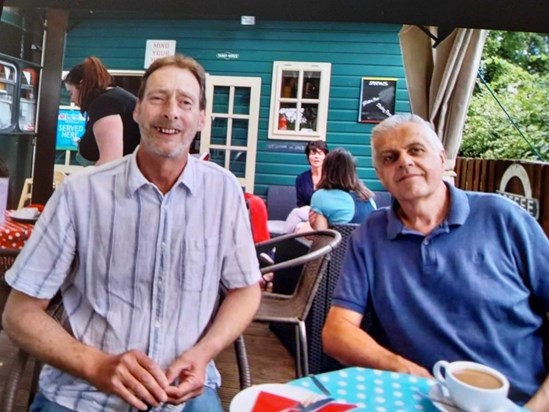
377, 99
70, 128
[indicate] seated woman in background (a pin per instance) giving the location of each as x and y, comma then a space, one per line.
305, 184
340, 197
111, 131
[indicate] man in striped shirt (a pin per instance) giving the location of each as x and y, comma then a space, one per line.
138, 248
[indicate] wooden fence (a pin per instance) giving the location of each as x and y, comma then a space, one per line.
519, 178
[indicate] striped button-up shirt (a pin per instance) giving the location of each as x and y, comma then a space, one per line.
137, 269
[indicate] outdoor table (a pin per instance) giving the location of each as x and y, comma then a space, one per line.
374, 390
13, 235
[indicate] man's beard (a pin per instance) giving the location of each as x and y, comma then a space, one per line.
174, 153
154, 147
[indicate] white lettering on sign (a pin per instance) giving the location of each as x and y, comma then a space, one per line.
155, 49
383, 109
372, 100
377, 83
527, 201
227, 56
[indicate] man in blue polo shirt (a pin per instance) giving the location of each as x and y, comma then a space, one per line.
448, 274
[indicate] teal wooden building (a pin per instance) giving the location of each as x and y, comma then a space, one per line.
226, 48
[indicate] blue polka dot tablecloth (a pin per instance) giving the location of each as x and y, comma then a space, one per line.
374, 390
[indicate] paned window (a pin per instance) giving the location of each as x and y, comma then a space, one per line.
299, 101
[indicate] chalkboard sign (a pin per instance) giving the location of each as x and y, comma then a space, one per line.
70, 128
377, 99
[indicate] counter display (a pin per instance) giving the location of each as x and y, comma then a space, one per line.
18, 98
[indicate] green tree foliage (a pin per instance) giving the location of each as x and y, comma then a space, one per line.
516, 68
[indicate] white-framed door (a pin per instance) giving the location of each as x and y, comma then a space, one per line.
230, 129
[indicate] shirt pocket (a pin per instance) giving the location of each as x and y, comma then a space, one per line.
200, 263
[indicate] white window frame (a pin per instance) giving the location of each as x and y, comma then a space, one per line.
322, 101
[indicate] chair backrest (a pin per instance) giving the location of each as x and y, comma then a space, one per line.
26, 193
16, 370
314, 262
58, 177
7, 257
280, 201
338, 255
314, 271
258, 217
285, 280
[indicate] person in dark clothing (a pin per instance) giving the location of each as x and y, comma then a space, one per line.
306, 182
305, 185
111, 131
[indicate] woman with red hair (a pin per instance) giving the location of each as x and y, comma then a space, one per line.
110, 129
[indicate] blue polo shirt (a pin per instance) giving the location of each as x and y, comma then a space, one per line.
475, 288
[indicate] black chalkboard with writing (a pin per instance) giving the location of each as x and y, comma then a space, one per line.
377, 99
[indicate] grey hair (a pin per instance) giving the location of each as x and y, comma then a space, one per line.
397, 120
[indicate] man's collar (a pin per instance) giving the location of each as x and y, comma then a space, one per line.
136, 179
457, 213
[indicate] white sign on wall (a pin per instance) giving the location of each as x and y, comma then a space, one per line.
156, 49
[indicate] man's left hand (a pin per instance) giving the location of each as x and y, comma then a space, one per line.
189, 372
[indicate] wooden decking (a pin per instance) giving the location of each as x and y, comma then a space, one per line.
269, 361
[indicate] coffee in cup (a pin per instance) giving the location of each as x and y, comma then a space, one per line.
472, 386
479, 379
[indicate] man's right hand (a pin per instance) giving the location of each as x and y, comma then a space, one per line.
133, 376
403, 365
344, 339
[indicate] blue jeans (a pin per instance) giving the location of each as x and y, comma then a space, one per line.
207, 402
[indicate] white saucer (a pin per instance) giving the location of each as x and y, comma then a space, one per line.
23, 216
436, 392
23, 219
244, 401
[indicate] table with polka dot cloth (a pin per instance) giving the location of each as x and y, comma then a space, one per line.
374, 390
13, 235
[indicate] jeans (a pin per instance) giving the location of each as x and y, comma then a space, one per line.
207, 402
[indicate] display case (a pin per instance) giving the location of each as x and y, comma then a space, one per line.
18, 92
18, 97
8, 83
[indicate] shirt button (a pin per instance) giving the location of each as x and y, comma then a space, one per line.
157, 324
425, 242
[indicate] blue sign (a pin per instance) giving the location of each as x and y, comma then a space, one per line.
70, 128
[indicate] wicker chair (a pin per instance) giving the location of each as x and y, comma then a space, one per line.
327, 363
19, 362
294, 308
244, 372
56, 310
7, 257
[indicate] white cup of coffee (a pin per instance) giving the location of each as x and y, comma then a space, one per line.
472, 386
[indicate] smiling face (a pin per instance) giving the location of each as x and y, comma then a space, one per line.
169, 113
407, 163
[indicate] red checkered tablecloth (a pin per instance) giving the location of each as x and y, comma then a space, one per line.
13, 235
